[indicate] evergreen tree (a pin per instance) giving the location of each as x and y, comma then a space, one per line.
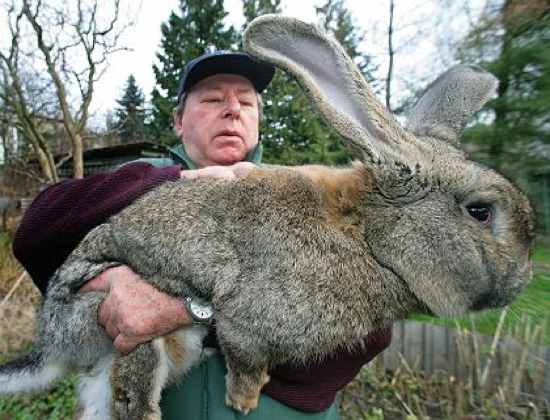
515, 43
255, 8
130, 115
514, 135
184, 37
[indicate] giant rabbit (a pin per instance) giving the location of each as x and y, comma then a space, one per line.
297, 262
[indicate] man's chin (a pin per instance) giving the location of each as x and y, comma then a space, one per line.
229, 156
227, 150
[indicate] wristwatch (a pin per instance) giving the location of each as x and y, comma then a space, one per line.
201, 312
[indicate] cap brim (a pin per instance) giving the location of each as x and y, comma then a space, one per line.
259, 74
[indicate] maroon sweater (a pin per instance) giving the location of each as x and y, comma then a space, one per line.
64, 213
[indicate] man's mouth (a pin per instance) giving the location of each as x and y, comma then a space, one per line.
229, 133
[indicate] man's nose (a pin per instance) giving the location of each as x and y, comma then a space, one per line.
232, 107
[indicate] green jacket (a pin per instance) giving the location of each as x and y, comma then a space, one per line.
201, 394
178, 156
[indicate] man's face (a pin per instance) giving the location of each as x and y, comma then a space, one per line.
219, 124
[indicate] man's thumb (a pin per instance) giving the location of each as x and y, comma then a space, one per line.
99, 283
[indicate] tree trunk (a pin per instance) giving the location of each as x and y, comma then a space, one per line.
47, 165
78, 157
43, 153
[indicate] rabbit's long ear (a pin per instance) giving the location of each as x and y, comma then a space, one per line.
333, 84
450, 101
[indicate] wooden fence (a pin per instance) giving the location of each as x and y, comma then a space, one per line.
431, 348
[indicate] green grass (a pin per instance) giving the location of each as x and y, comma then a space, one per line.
533, 303
59, 403
542, 254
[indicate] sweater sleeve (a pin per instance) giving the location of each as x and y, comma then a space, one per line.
61, 215
313, 388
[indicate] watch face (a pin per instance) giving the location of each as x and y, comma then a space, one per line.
202, 312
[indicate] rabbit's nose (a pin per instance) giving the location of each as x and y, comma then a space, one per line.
526, 270
526, 264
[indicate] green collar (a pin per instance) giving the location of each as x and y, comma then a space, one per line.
179, 155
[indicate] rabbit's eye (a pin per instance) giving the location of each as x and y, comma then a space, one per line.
481, 212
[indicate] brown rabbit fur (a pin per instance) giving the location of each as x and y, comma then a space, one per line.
299, 262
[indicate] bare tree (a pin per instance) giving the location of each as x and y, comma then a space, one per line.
21, 103
390, 54
65, 45
421, 39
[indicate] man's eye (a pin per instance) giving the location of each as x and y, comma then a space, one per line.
211, 100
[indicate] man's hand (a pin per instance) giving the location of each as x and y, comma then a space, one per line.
135, 312
238, 170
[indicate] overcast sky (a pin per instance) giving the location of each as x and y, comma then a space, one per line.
417, 39
414, 58
420, 26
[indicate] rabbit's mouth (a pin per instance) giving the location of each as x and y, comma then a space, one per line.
498, 298
486, 300
422, 308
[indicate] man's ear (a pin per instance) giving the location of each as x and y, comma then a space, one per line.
176, 121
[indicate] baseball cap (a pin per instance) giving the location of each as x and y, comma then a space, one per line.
224, 61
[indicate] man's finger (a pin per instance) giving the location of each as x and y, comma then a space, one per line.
112, 330
104, 313
99, 283
188, 174
124, 345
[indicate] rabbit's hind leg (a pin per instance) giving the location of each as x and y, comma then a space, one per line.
94, 254
94, 391
137, 381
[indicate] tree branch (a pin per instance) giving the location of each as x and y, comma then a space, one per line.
391, 53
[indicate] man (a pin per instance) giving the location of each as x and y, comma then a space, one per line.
217, 119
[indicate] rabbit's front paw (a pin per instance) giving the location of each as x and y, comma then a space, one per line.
154, 416
241, 403
243, 390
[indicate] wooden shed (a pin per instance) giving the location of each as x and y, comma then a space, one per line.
109, 158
